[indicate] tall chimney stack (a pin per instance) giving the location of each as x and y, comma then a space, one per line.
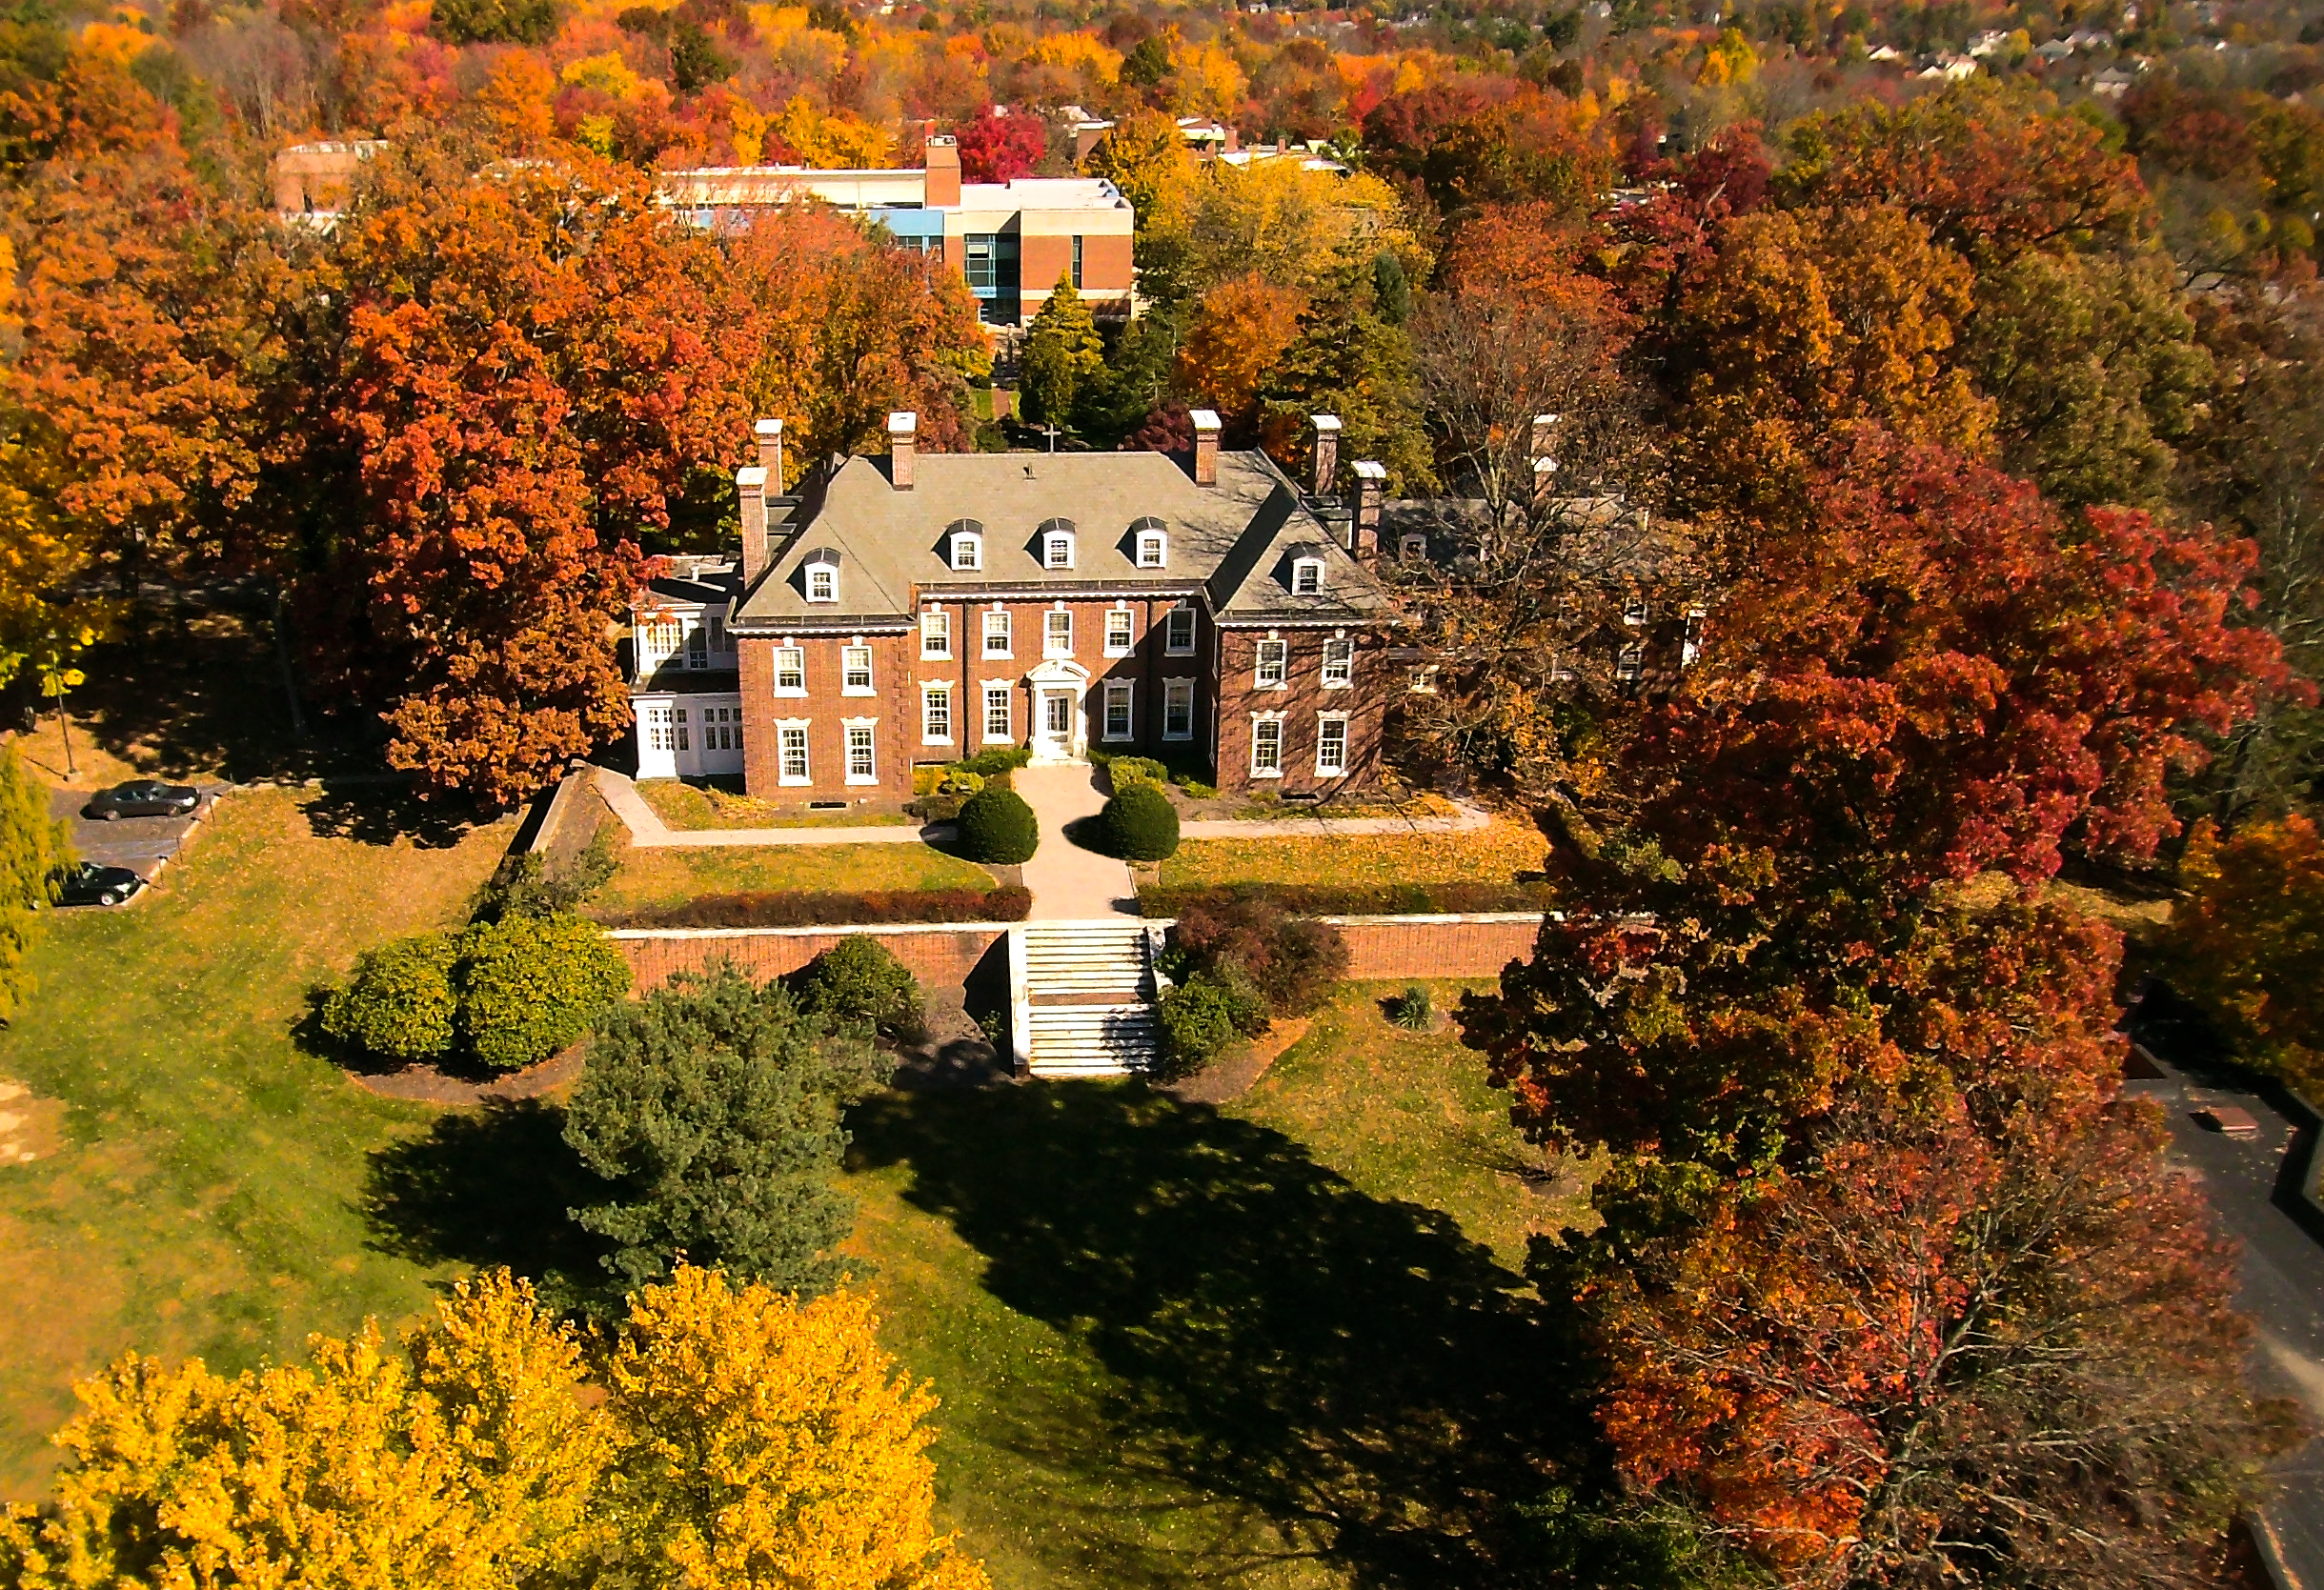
1545, 466
1205, 447
768, 433
1326, 452
1371, 488
904, 442
1545, 434
751, 482
942, 187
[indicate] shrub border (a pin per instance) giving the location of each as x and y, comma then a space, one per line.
1369, 899
1007, 902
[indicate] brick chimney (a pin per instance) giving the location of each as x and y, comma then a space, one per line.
904, 442
1326, 452
1545, 466
1545, 434
751, 482
1205, 447
768, 433
943, 184
1371, 489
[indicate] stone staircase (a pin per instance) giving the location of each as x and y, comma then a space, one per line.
1085, 998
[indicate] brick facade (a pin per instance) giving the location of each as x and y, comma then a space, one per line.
1303, 700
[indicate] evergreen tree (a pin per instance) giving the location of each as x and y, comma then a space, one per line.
1063, 354
713, 1106
33, 846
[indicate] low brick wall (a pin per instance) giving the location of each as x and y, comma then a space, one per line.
939, 954
1382, 947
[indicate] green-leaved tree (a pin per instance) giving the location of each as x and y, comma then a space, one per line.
33, 845
713, 1108
1063, 354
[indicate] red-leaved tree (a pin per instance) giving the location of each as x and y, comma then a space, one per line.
996, 148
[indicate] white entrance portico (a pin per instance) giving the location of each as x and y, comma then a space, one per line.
1061, 724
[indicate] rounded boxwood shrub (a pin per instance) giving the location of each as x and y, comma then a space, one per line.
859, 979
1201, 1015
530, 985
400, 1004
997, 826
1141, 823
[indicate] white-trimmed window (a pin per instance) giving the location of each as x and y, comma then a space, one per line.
1118, 631
822, 575
1424, 679
1690, 642
791, 751
1274, 670
656, 640
1330, 744
935, 714
855, 670
1414, 546
697, 646
1178, 632
996, 632
1178, 709
716, 624
1629, 663
1339, 663
936, 635
1307, 576
683, 744
1119, 720
1267, 745
999, 703
1634, 612
967, 551
863, 753
1057, 633
1057, 545
790, 670
1152, 549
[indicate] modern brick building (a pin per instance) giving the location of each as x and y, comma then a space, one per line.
919, 608
1010, 241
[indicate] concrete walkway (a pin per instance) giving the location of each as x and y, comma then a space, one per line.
1071, 885
647, 829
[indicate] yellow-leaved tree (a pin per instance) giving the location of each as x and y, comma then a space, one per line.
769, 1443
721, 1437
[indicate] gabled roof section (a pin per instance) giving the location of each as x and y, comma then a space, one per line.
1254, 586
895, 543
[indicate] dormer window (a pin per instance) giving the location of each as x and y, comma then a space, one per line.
967, 545
1307, 576
1153, 544
1416, 546
1057, 544
823, 575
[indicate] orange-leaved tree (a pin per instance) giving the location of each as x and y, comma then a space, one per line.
2246, 941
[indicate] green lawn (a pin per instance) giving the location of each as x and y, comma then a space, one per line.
692, 806
1281, 1343
667, 876
1499, 853
207, 1199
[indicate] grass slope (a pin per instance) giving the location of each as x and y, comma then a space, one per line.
207, 1199
667, 876
1499, 853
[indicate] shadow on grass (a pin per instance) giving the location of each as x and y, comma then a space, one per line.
1354, 1374
379, 814
486, 1187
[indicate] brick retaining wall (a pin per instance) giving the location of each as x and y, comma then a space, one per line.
1383, 947
939, 954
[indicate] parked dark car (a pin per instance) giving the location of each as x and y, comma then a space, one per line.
143, 798
89, 884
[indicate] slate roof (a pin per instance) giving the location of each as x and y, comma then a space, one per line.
1234, 541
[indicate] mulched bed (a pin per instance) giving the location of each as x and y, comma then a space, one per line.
425, 1084
1238, 1072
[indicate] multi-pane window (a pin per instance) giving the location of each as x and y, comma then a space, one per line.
682, 742
1153, 551
1424, 679
1118, 724
936, 635
1057, 551
1076, 262
1178, 709
863, 767
721, 728
1630, 662
1274, 663
656, 641
1339, 663
1178, 632
1117, 631
698, 647
856, 670
980, 264
1331, 745
935, 714
1634, 612
998, 697
968, 552
790, 670
791, 739
823, 583
1307, 576
1057, 634
997, 633
1268, 748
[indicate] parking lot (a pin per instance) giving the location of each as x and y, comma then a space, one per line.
145, 845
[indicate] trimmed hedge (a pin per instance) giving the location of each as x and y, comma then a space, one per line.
998, 827
999, 758
859, 979
1141, 824
1008, 903
400, 1005
530, 985
1354, 899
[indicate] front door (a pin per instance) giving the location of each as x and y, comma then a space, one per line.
1053, 728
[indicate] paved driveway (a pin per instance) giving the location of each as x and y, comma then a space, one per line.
145, 845
2282, 1281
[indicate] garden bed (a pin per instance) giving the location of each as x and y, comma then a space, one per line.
700, 808
1004, 903
661, 878
1502, 853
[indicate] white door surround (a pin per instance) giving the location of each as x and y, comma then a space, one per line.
1060, 721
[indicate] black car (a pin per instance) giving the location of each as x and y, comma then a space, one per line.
89, 884
143, 798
